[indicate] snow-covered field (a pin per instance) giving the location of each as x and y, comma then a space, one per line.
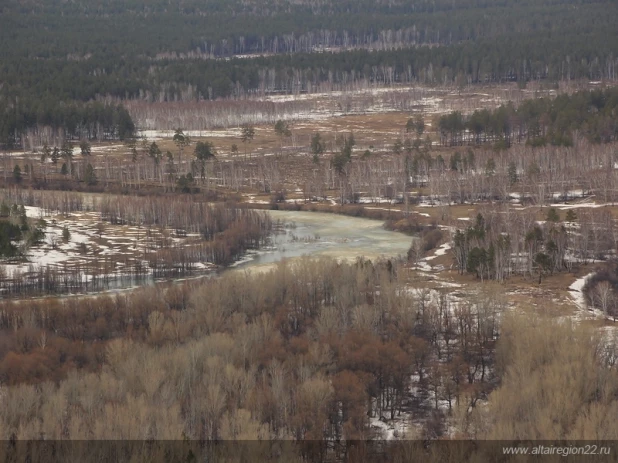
315, 106
153, 135
94, 247
576, 291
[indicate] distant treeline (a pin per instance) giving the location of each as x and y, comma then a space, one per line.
589, 56
54, 53
47, 29
62, 121
25, 102
538, 122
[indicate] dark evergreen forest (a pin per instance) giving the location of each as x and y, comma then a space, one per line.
57, 56
538, 122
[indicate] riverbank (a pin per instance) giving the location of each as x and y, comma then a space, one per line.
296, 234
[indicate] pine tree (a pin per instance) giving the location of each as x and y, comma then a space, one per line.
89, 175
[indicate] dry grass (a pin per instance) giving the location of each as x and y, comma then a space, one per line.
377, 132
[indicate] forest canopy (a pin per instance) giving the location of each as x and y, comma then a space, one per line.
56, 56
538, 121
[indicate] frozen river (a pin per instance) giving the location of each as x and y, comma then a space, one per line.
319, 234
298, 234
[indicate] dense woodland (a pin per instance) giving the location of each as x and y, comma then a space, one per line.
313, 350
55, 120
17, 232
220, 28
538, 122
53, 60
504, 242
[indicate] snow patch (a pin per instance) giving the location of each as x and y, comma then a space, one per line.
576, 291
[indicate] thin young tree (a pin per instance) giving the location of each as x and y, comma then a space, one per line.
282, 129
67, 155
247, 136
317, 147
181, 141
204, 151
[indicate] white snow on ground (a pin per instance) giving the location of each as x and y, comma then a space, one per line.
373, 200
424, 266
120, 245
34, 212
369, 90
434, 202
248, 257
576, 291
99, 149
578, 296
252, 200
163, 134
568, 194
435, 295
579, 205
395, 429
322, 105
378, 208
79, 237
449, 284
609, 334
442, 249
439, 252
46, 257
